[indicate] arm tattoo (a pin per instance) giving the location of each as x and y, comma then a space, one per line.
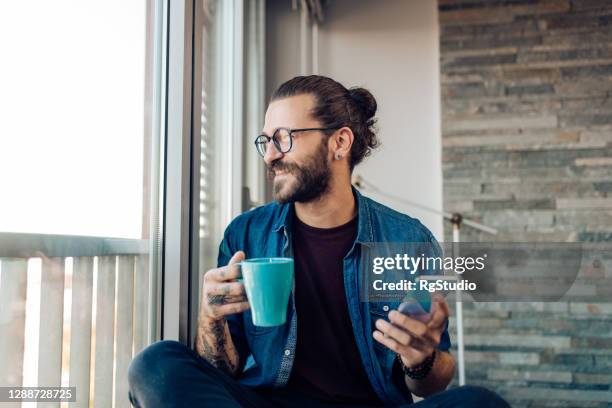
213, 342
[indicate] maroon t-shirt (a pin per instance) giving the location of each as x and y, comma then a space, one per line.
327, 363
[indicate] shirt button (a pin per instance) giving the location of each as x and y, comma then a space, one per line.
287, 352
386, 308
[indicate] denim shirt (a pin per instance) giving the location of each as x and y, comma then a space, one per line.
267, 353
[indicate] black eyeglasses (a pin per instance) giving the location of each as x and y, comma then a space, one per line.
282, 138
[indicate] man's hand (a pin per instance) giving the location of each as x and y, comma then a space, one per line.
416, 340
412, 339
222, 294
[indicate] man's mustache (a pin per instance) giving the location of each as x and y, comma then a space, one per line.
279, 166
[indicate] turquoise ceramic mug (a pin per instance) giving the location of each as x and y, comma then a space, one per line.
268, 283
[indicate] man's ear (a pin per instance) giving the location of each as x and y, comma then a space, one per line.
341, 142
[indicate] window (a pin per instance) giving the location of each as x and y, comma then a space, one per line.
125, 150
80, 163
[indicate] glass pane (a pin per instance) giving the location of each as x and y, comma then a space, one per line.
228, 95
79, 168
213, 175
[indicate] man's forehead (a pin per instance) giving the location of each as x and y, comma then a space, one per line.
293, 111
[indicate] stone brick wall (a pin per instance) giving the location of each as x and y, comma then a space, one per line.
527, 148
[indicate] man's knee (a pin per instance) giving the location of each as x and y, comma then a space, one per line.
150, 365
474, 395
149, 359
165, 375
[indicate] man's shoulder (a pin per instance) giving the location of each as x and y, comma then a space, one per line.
392, 224
263, 217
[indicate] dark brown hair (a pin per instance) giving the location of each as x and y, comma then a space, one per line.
337, 106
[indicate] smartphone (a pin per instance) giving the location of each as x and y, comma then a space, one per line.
413, 309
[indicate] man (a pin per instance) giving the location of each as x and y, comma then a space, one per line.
334, 350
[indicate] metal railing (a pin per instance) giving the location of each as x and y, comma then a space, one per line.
86, 299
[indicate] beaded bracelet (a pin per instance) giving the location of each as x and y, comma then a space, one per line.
420, 371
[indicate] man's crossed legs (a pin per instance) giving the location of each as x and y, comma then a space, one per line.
169, 374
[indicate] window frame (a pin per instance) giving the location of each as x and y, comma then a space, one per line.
178, 140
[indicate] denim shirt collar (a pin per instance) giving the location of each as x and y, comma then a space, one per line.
364, 228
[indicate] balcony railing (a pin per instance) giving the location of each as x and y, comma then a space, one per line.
73, 311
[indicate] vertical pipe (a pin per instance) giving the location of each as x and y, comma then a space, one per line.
154, 311
238, 113
304, 38
459, 311
229, 53
315, 47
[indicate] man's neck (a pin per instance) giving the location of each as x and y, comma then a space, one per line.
334, 208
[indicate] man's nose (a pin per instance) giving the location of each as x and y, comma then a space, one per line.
272, 153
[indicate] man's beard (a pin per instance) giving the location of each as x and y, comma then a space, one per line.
311, 179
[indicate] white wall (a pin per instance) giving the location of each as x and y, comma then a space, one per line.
391, 48
282, 44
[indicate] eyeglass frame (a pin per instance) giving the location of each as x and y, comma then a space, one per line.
274, 139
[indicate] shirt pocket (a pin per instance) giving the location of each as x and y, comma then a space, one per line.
380, 310
377, 312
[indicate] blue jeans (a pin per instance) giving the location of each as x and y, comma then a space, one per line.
169, 374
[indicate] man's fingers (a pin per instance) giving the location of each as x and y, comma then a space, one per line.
222, 294
227, 289
218, 300
236, 299
395, 332
388, 341
232, 308
229, 272
238, 256
224, 273
439, 314
233, 267
403, 337
415, 327
423, 335
416, 355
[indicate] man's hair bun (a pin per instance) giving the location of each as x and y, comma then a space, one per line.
365, 101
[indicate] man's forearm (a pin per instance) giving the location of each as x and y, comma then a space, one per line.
438, 378
214, 343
